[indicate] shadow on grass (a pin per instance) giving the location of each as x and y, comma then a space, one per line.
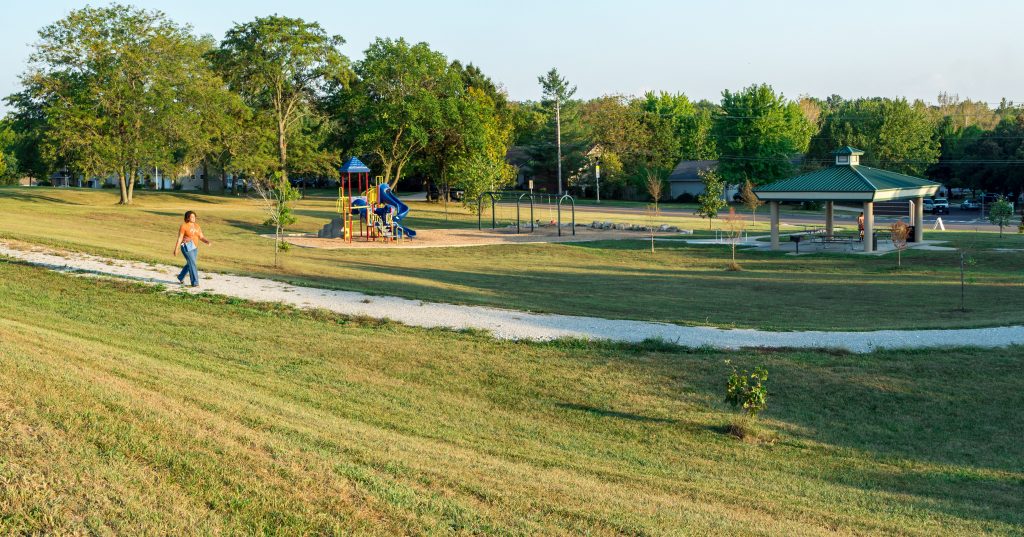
251, 227
19, 195
604, 413
926, 420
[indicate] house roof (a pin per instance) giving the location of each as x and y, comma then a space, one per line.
354, 165
686, 170
849, 183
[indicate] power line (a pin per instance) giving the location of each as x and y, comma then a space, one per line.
828, 161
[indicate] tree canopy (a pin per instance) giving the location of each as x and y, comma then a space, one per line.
112, 87
894, 134
758, 134
402, 100
285, 69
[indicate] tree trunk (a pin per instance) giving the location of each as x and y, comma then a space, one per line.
393, 183
122, 184
277, 242
558, 137
223, 182
206, 178
446, 192
134, 175
282, 146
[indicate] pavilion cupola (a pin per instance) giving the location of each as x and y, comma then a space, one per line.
847, 156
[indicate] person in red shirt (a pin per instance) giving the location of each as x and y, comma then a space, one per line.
189, 235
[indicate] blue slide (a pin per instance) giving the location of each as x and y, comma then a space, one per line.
401, 209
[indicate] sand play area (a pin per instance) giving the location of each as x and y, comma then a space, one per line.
446, 238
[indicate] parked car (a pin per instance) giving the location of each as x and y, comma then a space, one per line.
929, 205
970, 205
940, 206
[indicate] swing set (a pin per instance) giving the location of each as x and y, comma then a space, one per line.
553, 203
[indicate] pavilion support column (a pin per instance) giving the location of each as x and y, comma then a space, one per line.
918, 220
774, 207
869, 225
829, 220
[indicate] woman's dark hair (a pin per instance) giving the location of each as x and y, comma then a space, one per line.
188, 214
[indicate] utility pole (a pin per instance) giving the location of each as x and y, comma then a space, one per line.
597, 179
558, 136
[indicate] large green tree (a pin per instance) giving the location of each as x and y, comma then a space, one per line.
993, 160
618, 129
471, 136
635, 141
110, 85
286, 69
483, 167
895, 134
691, 122
558, 148
8, 162
28, 126
758, 133
405, 95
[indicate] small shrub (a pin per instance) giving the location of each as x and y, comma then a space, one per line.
899, 232
747, 429
747, 390
686, 197
1000, 214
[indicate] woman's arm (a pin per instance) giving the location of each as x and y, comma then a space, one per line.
181, 237
203, 237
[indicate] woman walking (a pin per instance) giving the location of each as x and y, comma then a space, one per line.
188, 236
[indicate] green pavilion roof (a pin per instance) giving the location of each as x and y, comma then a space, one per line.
847, 150
848, 182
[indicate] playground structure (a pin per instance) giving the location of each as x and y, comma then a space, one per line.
553, 202
370, 205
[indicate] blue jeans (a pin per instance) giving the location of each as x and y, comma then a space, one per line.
190, 267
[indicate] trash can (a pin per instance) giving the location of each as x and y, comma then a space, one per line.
910, 233
874, 242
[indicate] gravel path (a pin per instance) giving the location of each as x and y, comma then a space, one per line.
508, 324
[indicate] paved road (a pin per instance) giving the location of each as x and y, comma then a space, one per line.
956, 219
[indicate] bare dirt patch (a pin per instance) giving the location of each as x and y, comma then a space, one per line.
447, 238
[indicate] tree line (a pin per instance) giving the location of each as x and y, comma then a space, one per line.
118, 91
757, 135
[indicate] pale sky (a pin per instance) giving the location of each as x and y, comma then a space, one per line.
913, 49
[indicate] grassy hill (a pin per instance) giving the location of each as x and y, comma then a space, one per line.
127, 410
613, 279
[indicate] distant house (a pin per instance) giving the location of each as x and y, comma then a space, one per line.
685, 178
518, 157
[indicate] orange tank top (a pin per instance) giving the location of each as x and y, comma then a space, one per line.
190, 233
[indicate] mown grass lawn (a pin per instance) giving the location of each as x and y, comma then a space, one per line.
130, 411
680, 283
